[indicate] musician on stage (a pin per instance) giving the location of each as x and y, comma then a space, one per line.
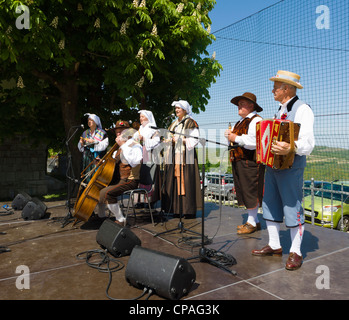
248, 175
128, 164
283, 188
149, 139
181, 192
93, 142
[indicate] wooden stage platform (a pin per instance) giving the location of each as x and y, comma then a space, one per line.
49, 252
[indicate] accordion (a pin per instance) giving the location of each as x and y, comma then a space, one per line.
269, 131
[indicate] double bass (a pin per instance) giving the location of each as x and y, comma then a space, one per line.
88, 198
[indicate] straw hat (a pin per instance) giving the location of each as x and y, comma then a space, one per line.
287, 77
248, 96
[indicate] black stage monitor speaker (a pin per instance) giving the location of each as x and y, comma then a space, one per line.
169, 276
20, 200
34, 210
117, 240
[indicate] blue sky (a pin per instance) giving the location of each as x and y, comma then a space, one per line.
283, 37
227, 12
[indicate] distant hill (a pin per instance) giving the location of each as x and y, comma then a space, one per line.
325, 163
328, 164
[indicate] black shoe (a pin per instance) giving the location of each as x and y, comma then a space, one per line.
96, 218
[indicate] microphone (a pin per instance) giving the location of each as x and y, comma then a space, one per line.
170, 116
79, 126
183, 120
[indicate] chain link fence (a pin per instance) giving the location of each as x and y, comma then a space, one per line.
310, 38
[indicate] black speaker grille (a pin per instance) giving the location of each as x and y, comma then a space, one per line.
169, 276
117, 240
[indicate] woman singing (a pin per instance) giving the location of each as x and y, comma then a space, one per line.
182, 192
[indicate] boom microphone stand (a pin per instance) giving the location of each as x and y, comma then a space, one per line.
180, 224
205, 255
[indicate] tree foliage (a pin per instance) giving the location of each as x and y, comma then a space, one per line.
109, 57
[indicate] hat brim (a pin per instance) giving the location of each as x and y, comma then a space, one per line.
236, 100
297, 85
120, 128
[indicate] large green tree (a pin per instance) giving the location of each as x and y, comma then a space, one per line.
61, 59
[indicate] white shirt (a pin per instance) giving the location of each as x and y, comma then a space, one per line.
131, 153
248, 141
192, 142
305, 117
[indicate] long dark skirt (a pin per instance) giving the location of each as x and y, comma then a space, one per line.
187, 204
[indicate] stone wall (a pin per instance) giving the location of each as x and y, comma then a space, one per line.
22, 169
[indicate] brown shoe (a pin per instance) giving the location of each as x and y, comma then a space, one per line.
294, 261
121, 224
258, 225
247, 228
267, 251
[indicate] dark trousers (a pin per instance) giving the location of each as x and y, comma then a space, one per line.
110, 194
248, 183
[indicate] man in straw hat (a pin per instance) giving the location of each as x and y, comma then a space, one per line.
283, 188
127, 170
248, 175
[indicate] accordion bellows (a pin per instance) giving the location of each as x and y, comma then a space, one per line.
270, 130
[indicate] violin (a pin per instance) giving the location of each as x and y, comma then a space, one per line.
87, 143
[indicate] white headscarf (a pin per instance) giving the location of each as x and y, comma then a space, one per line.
149, 115
184, 105
95, 118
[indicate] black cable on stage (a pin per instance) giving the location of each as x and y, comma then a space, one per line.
103, 265
224, 259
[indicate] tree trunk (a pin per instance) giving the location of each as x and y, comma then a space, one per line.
69, 103
69, 96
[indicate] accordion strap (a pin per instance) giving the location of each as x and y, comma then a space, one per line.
292, 146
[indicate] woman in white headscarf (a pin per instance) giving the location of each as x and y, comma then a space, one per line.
149, 138
93, 143
182, 190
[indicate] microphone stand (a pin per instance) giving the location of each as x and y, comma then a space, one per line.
205, 255
180, 224
70, 170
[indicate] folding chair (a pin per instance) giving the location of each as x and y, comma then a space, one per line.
131, 201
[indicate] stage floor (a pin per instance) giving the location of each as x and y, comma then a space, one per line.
49, 252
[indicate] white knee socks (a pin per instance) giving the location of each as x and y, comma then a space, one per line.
296, 238
274, 238
252, 216
115, 209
